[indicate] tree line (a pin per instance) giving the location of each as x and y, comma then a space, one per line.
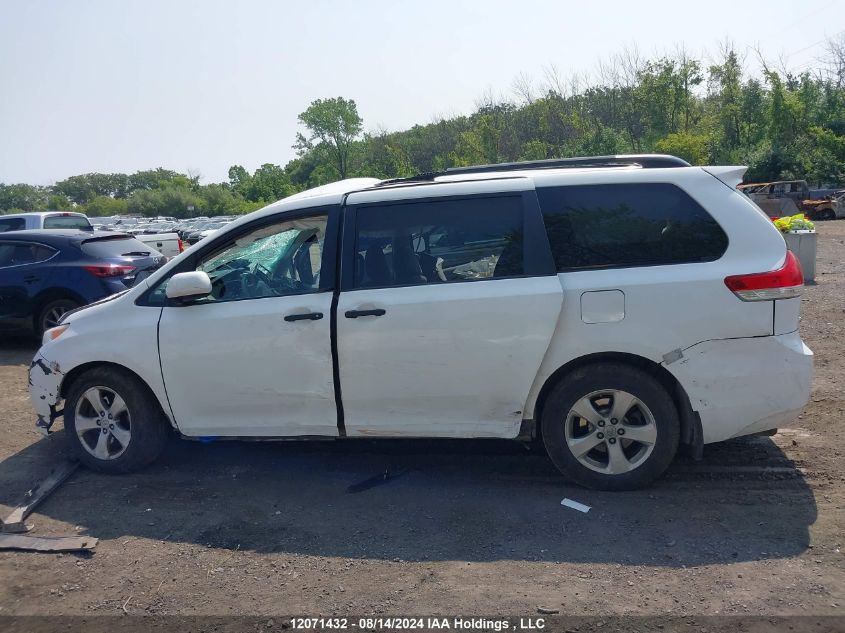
783, 124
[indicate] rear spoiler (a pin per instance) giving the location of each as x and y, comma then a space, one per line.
731, 175
103, 237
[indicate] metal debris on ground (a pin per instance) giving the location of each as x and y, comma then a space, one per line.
47, 543
569, 503
15, 521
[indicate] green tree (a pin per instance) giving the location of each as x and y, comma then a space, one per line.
85, 187
334, 124
176, 201
105, 205
690, 147
153, 179
23, 197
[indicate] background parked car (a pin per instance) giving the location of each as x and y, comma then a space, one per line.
45, 273
786, 198
45, 220
205, 229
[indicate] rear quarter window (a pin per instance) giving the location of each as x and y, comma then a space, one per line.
117, 247
625, 225
67, 222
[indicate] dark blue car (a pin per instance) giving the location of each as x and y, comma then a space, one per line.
44, 274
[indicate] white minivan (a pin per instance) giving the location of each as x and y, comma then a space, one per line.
612, 307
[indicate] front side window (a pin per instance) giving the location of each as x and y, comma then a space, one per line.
275, 260
622, 225
430, 242
17, 254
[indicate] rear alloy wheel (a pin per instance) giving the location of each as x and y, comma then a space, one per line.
610, 431
610, 427
53, 312
113, 421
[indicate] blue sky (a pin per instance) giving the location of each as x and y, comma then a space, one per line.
95, 85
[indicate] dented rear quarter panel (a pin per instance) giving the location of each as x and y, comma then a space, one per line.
747, 385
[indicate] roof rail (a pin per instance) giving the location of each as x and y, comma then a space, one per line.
646, 161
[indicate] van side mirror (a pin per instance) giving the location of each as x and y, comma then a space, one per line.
184, 286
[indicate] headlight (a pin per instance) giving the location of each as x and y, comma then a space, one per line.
53, 333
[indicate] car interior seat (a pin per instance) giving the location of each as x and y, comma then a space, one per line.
406, 266
375, 264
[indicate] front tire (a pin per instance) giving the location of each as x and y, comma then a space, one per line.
113, 421
610, 427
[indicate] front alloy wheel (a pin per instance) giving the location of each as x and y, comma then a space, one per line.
103, 423
113, 420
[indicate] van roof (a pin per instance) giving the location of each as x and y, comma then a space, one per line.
333, 193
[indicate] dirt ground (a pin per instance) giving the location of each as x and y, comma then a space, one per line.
757, 528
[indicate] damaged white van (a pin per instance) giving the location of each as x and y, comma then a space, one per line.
612, 307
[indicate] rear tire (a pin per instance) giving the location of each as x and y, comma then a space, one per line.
51, 312
113, 421
610, 427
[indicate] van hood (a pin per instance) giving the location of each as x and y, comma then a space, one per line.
81, 309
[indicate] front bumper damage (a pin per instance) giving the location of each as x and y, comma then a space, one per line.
45, 379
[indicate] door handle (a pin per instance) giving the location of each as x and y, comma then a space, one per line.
354, 314
31, 279
307, 316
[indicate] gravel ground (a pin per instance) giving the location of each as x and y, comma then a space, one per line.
757, 528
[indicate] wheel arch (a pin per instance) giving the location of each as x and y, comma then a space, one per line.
74, 374
691, 433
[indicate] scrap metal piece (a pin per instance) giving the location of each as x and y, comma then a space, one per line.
47, 543
15, 521
575, 505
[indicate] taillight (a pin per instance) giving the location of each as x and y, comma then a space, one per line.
181, 245
110, 270
784, 283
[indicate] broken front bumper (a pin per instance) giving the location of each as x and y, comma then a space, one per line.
45, 379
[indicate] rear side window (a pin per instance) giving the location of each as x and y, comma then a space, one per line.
12, 224
117, 247
17, 254
67, 222
648, 224
430, 242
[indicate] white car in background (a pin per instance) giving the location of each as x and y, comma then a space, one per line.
612, 307
45, 220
